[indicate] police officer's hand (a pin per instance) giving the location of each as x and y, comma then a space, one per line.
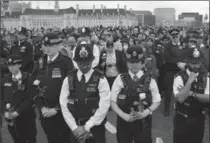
44, 110
51, 112
192, 77
181, 65
142, 115
15, 114
80, 132
129, 117
8, 115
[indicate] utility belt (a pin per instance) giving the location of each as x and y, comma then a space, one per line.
186, 111
143, 124
189, 115
83, 108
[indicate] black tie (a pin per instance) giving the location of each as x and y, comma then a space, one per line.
82, 81
135, 78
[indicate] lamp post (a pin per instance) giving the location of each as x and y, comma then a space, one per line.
205, 19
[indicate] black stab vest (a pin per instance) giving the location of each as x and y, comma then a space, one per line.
83, 102
131, 91
192, 106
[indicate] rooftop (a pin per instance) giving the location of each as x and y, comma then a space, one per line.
30, 11
144, 12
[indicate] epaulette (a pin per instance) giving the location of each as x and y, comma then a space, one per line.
178, 74
72, 71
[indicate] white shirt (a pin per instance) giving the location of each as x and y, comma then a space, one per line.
96, 53
118, 85
18, 76
101, 112
178, 82
52, 59
111, 61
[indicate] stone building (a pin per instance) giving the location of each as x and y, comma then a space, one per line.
50, 18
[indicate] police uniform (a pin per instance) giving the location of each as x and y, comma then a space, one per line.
51, 76
25, 50
189, 120
18, 96
129, 89
158, 52
172, 57
85, 98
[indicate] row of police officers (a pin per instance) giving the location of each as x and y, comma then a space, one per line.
73, 103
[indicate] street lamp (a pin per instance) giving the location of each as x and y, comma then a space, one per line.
205, 19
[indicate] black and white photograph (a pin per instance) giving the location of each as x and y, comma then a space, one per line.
104, 72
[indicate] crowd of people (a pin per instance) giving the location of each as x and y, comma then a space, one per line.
75, 76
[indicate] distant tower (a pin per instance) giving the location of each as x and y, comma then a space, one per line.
56, 8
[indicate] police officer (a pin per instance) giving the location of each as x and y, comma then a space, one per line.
191, 90
18, 102
171, 56
24, 49
134, 97
85, 98
55, 69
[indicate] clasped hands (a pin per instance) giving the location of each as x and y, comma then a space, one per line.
81, 134
135, 115
11, 115
48, 112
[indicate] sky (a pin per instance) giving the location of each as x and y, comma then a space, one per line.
181, 6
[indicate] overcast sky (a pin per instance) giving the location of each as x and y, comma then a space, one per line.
181, 6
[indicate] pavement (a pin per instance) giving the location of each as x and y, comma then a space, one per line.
162, 127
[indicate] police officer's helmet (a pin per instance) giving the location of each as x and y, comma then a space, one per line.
14, 59
174, 32
135, 54
194, 56
51, 39
84, 52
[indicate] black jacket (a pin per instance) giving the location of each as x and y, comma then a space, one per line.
19, 97
25, 50
52, 77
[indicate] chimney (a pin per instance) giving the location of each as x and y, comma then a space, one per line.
125, 7
94, 8
131, 10
77, 9
118, 6
102, 8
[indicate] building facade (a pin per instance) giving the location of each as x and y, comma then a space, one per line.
192, 19
50, 18
163, 15
145, 18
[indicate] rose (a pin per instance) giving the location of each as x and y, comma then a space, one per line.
142, 96
8, 105
36, 82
